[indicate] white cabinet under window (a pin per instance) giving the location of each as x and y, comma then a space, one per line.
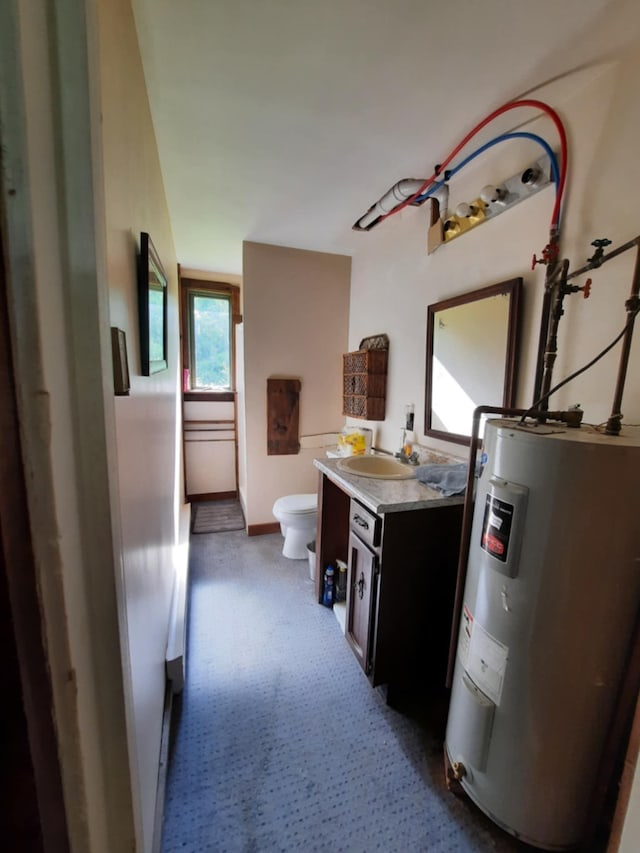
210, 448
209, 311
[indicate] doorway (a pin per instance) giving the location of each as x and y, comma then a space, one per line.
209, 315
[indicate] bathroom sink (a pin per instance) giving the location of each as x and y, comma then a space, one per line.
378, 467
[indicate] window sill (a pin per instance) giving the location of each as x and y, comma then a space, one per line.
209, 396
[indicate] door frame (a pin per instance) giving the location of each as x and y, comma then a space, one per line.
189, 284
40, 803
54, 298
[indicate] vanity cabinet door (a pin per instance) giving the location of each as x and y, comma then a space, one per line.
362, 595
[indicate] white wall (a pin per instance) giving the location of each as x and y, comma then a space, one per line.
393, 279
296, 314
149, 474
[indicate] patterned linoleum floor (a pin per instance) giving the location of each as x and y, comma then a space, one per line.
280, 743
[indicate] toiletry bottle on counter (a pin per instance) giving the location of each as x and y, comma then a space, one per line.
408, 442
328, 590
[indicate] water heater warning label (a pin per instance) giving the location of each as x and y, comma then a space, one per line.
496, 527
483, 656
487, 663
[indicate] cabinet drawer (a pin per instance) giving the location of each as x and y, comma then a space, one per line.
365, 524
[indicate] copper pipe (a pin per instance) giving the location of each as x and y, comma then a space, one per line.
632, 304
542, 384
608, 257
551, 350
551, 251
542, 342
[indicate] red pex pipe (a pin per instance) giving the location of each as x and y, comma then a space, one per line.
512, 105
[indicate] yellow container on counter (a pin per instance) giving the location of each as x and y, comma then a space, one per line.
355, 441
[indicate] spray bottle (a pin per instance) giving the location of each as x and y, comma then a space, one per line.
328, 591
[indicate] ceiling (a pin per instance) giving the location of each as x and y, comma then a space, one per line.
282, 121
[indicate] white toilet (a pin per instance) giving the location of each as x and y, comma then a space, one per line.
297, 515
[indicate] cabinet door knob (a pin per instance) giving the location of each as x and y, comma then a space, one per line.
360, 586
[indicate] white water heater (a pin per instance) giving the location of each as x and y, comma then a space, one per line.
550, 603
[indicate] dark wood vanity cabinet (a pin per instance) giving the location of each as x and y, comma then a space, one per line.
400, 588
362, 601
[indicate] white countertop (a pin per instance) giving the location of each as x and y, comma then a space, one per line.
382, 496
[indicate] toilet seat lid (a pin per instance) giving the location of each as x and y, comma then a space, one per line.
297, 503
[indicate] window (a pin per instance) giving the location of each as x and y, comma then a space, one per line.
210, 341
209, 312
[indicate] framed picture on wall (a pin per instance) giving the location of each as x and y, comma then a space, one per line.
121, 384
152, 308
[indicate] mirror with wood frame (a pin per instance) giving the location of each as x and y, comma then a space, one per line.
471, 357
152, 308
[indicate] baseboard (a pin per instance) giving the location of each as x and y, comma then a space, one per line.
261, 529
156, 842
176, 650
175, 657
212, 496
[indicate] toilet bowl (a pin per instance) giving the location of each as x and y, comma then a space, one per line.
297, 515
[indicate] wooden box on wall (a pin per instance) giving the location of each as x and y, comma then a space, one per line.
365, 384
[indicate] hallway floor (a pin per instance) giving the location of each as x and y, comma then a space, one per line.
279, 742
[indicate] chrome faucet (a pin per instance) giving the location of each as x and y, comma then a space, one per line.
407, 453
411, 458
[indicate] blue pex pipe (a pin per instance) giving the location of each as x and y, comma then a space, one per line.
503, 138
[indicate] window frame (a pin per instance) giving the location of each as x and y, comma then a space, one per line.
192, 286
